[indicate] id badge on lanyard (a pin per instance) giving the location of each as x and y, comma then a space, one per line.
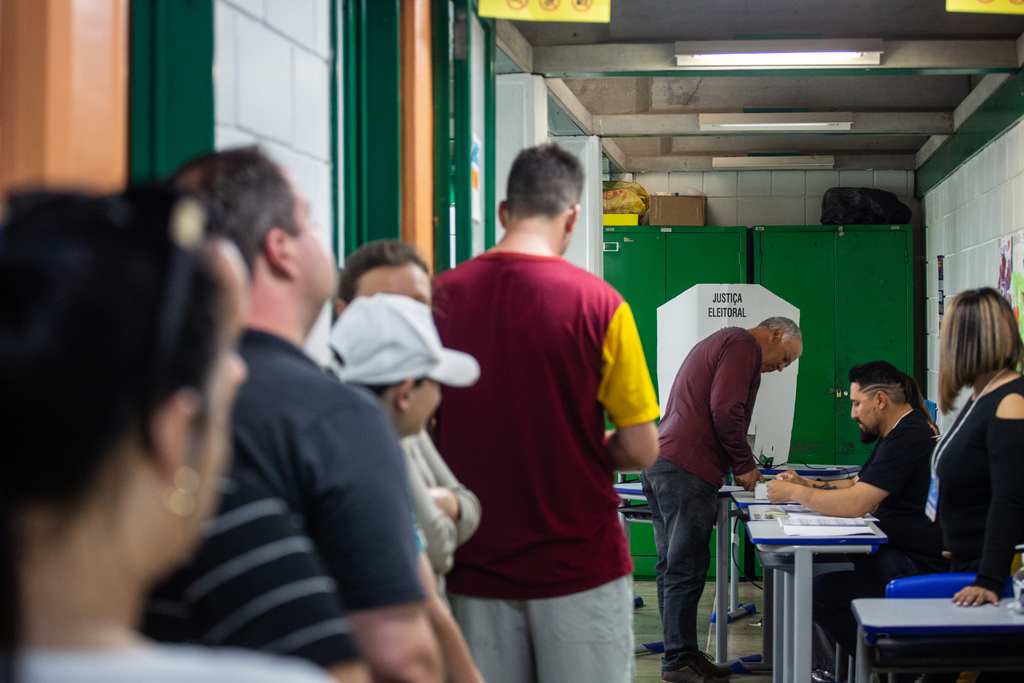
931, 507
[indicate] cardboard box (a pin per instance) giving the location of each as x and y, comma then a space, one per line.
626, 219
673, 211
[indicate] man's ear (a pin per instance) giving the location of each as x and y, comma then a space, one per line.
883, 399
503, 213
571, 220
171, 429
279, 251
777, 336
403, 395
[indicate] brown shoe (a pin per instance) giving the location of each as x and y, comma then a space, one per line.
705, 665
688, 674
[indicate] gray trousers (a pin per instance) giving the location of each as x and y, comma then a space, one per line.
584, 637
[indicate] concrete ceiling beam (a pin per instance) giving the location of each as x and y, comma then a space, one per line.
514, 44
977, 97
658, 59
570, 104
615, 155
864, 123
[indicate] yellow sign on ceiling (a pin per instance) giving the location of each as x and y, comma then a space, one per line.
986, 6
597, 11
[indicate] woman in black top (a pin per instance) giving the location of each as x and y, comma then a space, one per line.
979, 465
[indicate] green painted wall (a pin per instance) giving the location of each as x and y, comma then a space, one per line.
171, 85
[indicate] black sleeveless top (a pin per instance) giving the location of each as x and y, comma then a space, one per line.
981, 490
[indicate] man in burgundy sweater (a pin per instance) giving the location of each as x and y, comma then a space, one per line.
702, 435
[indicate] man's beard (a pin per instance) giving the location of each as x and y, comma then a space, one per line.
867, 435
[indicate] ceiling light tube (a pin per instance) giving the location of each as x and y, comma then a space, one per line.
762, 54
787, 122
791, 163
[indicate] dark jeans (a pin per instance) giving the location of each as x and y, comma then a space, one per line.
684, 508
833, 592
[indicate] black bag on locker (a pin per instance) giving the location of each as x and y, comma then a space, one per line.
862, 206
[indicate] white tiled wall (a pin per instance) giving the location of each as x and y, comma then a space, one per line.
775, 197
964, 216
272, 70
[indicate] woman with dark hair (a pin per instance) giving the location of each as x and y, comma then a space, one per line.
978, 467
118, 371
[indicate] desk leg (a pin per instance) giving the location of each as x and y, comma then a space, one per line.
803, 597
788, 614
779, 627
722, 582
863, 669
768, 618
734, 560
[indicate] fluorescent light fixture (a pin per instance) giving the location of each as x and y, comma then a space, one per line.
780, 122
791, 163
788, 54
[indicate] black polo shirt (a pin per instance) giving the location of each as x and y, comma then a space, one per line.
900, 464
255, 583
329, 450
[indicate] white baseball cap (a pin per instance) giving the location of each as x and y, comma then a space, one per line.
386, 338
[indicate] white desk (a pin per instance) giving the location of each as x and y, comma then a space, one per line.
878, 617
794, 595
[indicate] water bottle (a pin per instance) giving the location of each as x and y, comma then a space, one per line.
1018, 592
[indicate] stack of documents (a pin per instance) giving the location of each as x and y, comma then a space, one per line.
802, 524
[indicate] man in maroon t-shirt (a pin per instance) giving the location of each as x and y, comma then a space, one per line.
543, 591
703, 435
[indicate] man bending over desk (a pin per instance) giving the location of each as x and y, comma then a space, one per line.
893, 484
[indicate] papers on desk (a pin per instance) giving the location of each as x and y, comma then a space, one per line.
802, 524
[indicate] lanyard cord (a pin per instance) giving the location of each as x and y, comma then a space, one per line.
941, 448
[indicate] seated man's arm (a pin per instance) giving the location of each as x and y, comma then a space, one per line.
792, 476
398, 643
627, 394
854, 501
634, 448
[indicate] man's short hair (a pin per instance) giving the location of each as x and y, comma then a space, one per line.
247, 196
790, 330
372, 255
878, 375
544, 181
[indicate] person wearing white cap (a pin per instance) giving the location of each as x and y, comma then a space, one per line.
447, 512
388, 344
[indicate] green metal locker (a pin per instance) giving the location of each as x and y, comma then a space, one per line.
650, 265
854, 287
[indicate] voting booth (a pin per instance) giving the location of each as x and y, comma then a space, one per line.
705, 309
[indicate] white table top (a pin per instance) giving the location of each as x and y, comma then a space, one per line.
769, 532
633, 490
933, 616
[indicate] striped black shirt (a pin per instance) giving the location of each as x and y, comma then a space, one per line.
255, 583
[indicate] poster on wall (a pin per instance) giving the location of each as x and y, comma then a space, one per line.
1005, 268
476, 203
1017, 278
942, 290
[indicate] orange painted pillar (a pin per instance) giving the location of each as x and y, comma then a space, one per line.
63, 94
417, 128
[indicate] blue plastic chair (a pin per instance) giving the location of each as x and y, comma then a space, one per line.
933, 408
935, 586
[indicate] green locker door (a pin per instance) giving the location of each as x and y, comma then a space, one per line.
704, 255
873, 295
634, 264
648, 266
798, 264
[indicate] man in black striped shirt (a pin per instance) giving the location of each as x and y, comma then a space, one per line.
255, 583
